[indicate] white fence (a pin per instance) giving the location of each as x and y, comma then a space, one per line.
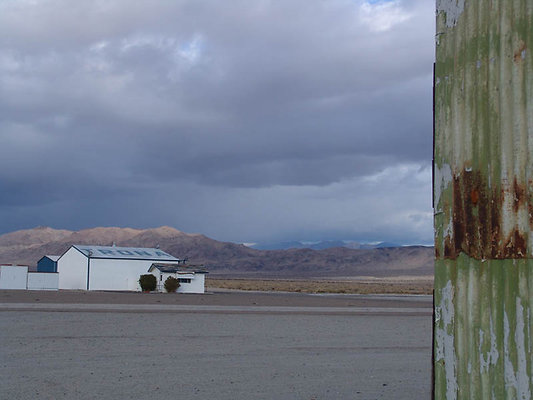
13, 276
43, 280
18, 277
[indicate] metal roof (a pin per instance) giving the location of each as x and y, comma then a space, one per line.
181, 268
130, 253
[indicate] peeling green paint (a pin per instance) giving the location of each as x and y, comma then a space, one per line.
483, 329
483, 200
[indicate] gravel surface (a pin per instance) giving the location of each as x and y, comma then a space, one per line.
219, 297
200, 354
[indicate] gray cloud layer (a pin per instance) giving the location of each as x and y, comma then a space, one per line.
218, 116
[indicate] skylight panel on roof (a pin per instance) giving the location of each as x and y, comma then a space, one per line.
138, 253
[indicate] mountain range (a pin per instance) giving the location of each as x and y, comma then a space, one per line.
319, 245
227, 259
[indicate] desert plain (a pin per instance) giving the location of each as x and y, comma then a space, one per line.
225, 344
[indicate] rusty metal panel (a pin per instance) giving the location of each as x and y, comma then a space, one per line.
483, 199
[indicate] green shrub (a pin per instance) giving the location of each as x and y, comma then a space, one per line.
148, 282
171, 284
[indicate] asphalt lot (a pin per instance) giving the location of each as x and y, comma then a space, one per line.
103, 351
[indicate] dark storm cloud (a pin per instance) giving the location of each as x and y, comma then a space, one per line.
102, 98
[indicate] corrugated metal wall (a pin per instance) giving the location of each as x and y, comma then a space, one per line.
483, 199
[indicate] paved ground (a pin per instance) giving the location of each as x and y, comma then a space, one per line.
203, 351
218, 298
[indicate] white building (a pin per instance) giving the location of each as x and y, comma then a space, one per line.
191, 278
107, 267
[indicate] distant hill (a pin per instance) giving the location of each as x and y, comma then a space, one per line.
223, 258
325, 244
320, 245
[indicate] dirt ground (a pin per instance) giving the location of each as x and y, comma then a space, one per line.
215, 297
66, 345
406, 285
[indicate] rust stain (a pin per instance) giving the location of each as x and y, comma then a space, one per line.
519, 195
516, 246
494, 230
477, 218
530, 210
518, 54
530, 203
448, 248
474, 196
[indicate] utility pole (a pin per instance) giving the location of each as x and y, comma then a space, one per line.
483, 200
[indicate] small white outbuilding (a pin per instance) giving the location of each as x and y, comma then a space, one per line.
190, 277
89, 267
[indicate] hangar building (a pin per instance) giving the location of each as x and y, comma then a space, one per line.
109, 267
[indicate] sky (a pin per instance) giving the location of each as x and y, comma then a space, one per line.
245, 120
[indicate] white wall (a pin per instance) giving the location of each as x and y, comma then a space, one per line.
109, 274
43, 281
72, 269
161, 277
197, 284
13, 277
